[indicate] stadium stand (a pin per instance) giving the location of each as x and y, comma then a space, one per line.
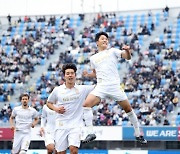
151, 73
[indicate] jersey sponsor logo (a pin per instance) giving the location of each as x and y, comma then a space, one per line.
101, 58
25, 117
71, 98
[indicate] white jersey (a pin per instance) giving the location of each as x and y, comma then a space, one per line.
48, 118
24, 118
105, 64
72, 100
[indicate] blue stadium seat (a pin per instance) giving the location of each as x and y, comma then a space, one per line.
3, 40
71, 22
12, 104
8, 49
158, 57
157, 19
174, 66
1, 98
42, 62
13, 85
43, 25
177, 120
124, 123
161, 37
5, 86
163, 81
121, 18
142, 19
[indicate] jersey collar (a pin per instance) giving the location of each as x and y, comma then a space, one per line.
64, 86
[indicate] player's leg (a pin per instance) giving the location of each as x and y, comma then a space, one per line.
90, 101
133, 119
61, 141
74, 140
73, 149
50, 148
118, 94
49, 142
23, 152
17, 142
25, 142
62, 152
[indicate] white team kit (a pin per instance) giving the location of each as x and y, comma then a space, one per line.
23, 122
108, 80
68, 124
48, 123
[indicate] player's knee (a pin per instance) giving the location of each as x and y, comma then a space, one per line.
91, 101
50, 148
73, 150
50, 151
128, 109
22, 152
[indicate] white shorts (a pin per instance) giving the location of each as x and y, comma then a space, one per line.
67, 137
49, 137
21, 141
114, 92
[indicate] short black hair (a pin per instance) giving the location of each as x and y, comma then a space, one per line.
99, 34
69, 66
24, 95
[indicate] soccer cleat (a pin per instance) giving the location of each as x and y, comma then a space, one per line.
89, 138
141, 140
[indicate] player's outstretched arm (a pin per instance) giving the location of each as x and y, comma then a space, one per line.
126, 54
91, 74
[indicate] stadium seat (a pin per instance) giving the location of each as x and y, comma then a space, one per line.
163, 81
173, 66
177, 120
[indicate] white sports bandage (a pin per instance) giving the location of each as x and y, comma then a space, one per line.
133, 119
88, 119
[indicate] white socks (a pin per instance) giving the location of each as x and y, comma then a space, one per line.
134, 121
88, 119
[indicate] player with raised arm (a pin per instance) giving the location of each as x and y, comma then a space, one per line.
47, 128
104, 68
21, 120
66, 100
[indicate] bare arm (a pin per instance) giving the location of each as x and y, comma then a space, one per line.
91, 75
43, 122
60, 109
126, 54
11, 121
36, 120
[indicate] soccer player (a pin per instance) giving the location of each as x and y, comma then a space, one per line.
47, 128
67, 101
21, 120
104, 68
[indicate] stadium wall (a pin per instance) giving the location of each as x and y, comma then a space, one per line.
112, 133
